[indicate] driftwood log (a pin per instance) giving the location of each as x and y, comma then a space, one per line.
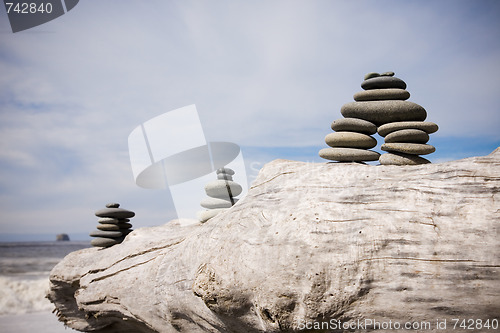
311, 248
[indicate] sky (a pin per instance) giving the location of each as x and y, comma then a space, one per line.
269, 76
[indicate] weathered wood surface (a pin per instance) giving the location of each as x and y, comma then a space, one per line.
309, 243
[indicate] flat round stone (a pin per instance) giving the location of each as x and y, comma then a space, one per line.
206, 215
381, 95
348, 154
102, 233
110, 220
108, 227
408, 148
350, 140
354, 125
382, 112
112, 205
224, 176
117, 213
401, 159
226, 171
125, 232
426, 126
387, 74
407, 135
219, 189
383, 82
213, 203
104, 242
124, 225
371, 75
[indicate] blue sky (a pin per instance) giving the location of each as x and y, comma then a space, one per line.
270, 76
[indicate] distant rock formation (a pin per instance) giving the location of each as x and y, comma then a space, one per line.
310, 243
62, 237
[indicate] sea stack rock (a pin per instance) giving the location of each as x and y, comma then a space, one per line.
113, 225
221, 194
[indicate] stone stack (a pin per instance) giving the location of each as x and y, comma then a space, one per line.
113, 225
405, 140
382, 103
221, 194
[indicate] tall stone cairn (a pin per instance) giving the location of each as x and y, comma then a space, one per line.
113, 225
221, 194
384, 105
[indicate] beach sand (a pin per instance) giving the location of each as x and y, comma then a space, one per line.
34, 322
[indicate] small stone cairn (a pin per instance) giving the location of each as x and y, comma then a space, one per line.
113, 225
382, 107
221, 194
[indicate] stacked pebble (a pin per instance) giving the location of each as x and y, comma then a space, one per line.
113, 225
221, 194
351, 141
383, 104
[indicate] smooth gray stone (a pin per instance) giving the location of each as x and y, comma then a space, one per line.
110, 220
407, 135
124, 225
408, 148
108, 227
401, 159
102, 233
371, 75
382, 112
205, 215
426, 126
350, 140
387, 74
118, 213
226, 171
381, 95
214, 203
125, 232
348, 154
218, 189
224, 176
383, 82
112, 205
354, 125
105, 242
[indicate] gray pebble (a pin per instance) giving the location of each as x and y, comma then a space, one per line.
104, 242
401, 159
408, 148
112, 205
407, 135
350, 140
213, 203
382, 112
354, 125
383, 82
218, 189
108, 227
371, 75
102, 233
426, 126
381, 94
348, 154
118, 213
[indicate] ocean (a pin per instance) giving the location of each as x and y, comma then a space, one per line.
24, 280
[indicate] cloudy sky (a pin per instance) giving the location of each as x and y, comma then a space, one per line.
269, 75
